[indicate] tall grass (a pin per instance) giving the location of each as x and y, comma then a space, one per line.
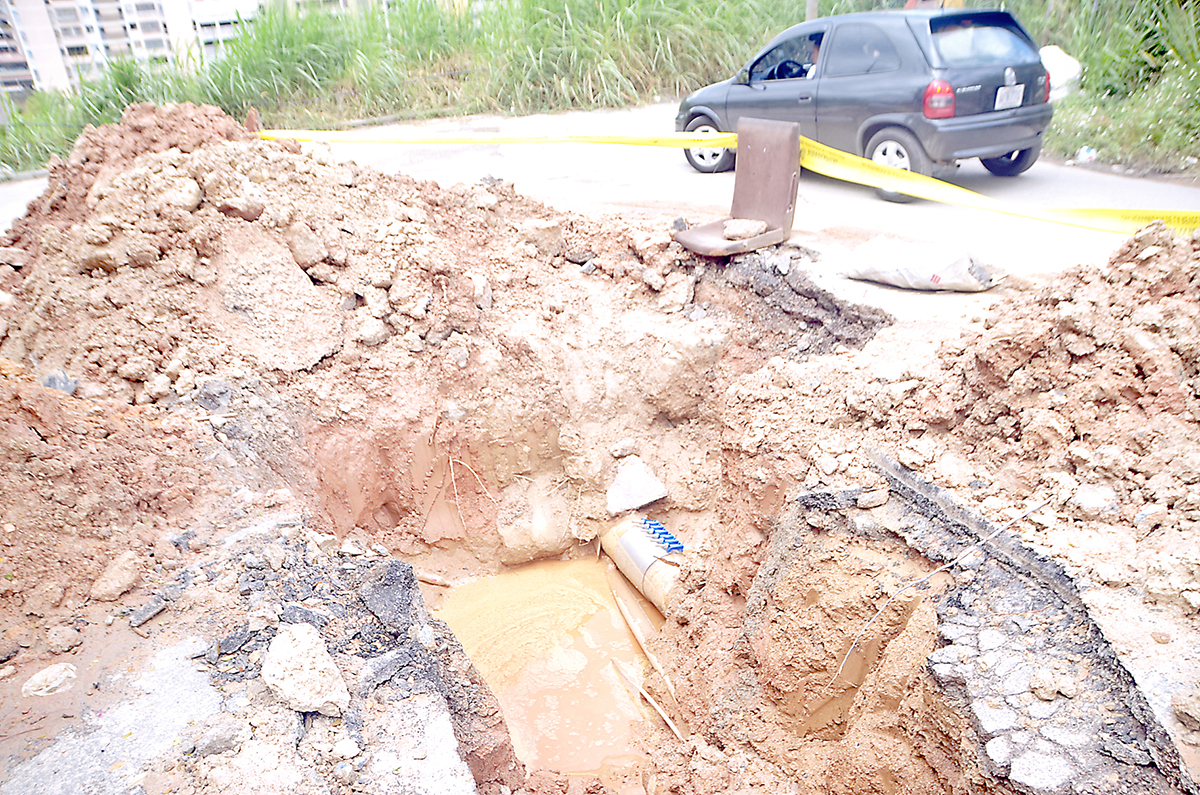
550, 54
317, 68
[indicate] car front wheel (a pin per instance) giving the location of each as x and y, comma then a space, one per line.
707, 160
900, 149
1013, 163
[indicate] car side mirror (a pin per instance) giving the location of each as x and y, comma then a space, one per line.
743, 77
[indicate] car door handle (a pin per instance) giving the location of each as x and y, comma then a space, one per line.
804, 98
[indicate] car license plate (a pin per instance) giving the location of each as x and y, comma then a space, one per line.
1010, 96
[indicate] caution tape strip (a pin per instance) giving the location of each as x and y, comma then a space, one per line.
813, 156
672, 140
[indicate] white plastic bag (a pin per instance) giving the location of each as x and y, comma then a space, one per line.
1064, 70
914, 266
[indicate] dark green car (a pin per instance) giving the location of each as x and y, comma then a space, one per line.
915, 89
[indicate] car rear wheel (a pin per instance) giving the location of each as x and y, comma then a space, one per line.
1013, 163
707, 160
900, 149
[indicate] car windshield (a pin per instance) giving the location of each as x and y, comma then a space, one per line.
972, 42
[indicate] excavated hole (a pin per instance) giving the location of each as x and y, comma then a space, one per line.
756, 632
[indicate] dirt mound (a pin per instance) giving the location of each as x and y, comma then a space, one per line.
101, 152
1084, 393
84, 484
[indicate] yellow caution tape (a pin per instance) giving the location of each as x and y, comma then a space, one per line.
851, 168
814, 157
672, 140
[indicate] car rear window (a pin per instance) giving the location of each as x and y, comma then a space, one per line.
980, 41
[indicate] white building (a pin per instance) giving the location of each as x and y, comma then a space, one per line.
52, 44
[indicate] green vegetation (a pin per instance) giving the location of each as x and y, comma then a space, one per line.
1140, 102
1140, 98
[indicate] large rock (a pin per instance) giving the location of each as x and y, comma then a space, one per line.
678, 370
297, 667
273, 310
119, 576
635, 485
533, 521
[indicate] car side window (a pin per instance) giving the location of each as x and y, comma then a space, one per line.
859, 49
790, 59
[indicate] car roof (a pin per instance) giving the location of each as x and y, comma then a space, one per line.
918, 13
892, 16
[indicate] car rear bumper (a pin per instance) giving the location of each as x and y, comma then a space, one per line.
985, 134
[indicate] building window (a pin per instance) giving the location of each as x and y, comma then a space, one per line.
66, 15
81, 50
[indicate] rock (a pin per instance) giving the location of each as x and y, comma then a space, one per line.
1124, 752
176, 193
744, 228
372, 331
147, 611
159, 386
214, 395
299, 614
533, 521
248, 208
49, 681
8, 649
1150, 516
993, 719
44, 599
412, 341
222, 737
299, 670
481, 198
1187, 709
119, 576
1095, 501
325, 542
1042, 684
635, 485
999, 750
59, 380
390, 592
545, 235
873, 499
624, 448
1041, 772
307, 249
677, 375
482, 290
677, 292
653, 279
236, 640
62, 639
345, 773
346, 749
14, 257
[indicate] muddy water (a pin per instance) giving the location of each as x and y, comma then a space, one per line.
544, 636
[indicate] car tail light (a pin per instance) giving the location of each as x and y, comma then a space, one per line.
1046, 96
939, 100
